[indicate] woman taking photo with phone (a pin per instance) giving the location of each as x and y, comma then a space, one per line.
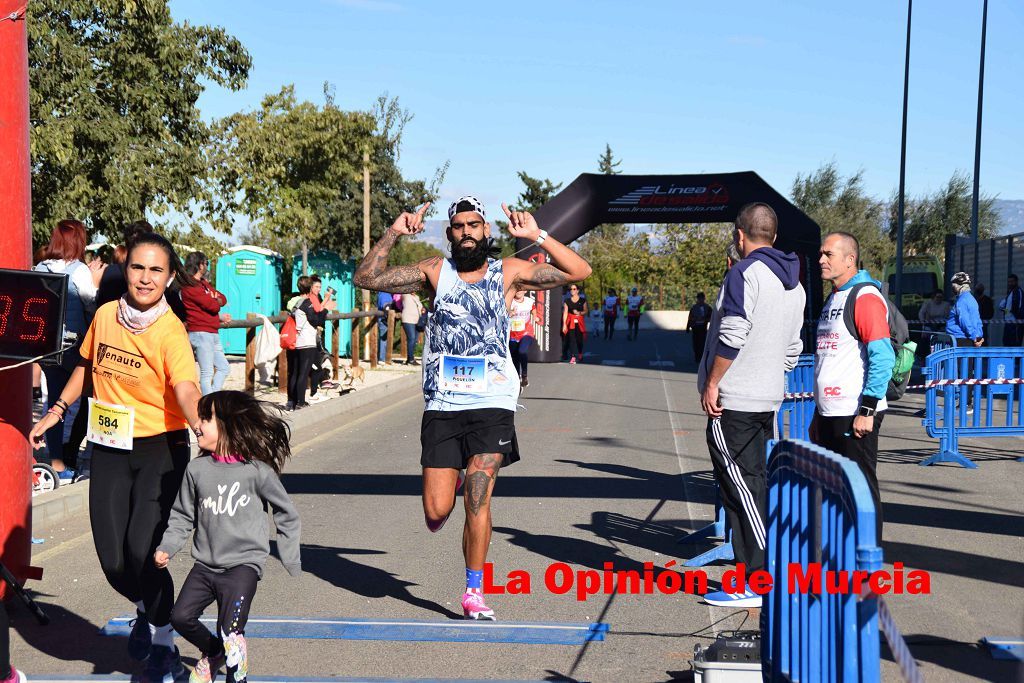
137, 356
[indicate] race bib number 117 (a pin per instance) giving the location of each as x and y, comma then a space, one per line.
466, 374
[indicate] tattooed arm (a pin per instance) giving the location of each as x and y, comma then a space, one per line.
374, 273
566, 265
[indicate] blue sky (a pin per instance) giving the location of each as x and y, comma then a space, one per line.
777, 88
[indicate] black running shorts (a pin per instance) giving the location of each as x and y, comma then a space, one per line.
451, 437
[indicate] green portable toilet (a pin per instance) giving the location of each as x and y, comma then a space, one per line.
336, 273
250, 278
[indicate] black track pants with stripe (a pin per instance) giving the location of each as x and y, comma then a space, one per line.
737, 442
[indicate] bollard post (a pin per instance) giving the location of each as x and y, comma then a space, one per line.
403, 344
250, 355
357, 332
282, 369
389, 340
335, 330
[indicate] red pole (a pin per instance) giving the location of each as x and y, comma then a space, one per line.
16, 236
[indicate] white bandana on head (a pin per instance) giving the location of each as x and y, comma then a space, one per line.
467, 203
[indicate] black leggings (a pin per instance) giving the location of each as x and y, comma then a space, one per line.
300, 363
575, 337
232, 590
609, 326
633, 323
130, 499
5, 644
520, 351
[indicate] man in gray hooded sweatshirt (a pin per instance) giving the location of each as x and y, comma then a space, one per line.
753, 340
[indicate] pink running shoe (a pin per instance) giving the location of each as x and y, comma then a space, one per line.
15, 677
206, 669
572, 361
436, 526
473, 607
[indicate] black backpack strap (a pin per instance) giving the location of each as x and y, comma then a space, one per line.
849, 309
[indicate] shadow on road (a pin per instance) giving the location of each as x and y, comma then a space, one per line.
331, 565
509, 486
952, 518
71, 638
956, 562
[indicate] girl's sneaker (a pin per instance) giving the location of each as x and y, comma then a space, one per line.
206, 669
473, 607
236, 657
572, 361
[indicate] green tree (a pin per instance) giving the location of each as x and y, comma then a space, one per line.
537, 192
945, 212
295, 170
113, 91
838, 203
607, 163
410, 251
691, 257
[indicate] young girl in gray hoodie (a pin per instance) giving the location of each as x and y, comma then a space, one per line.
224, 497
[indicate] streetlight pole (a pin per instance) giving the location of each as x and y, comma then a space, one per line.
977, 135
903, 169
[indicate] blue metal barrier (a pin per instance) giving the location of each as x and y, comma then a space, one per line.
819, 511
799, 412
793, 420
955, 411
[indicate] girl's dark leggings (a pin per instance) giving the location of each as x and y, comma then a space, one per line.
232, 589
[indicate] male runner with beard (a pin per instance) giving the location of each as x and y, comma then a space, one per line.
470, 384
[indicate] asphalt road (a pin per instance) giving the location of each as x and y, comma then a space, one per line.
614, 469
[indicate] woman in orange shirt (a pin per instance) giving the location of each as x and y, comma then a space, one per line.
137, 356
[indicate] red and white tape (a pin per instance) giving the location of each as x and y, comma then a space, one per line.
969, 382
802, 395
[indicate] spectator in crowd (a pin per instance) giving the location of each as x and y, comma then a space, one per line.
852, 363
385, 303
412, 309
64, 254
933, 312
611, 312
113, 285
202, 320
522, 315
964, 325
574, 323
697, 325
137, 465
302, 357
754, 340
964, 321
986, 307
1012, 308
320, 369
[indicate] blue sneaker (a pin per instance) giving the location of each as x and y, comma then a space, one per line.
66, 475
737, 600
163, 666
140, 639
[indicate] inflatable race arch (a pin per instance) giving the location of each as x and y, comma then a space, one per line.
593, 199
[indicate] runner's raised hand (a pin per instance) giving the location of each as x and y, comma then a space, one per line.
521, 224
410, 223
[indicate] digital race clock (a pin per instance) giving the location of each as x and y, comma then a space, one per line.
31, 313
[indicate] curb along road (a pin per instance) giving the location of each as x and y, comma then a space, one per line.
51, 509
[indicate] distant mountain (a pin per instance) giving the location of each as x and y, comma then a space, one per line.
1012, 213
